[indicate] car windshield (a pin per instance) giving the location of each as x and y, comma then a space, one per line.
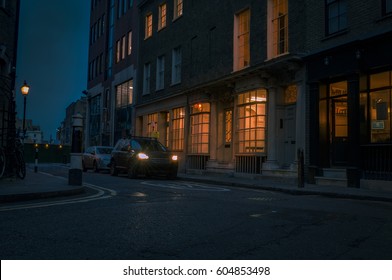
148, 145
104, 150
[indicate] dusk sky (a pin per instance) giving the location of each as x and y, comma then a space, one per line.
52, 58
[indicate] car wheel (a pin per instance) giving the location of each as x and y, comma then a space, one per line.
84, 167
95, 167
113, 169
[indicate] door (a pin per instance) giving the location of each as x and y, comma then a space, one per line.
339, 133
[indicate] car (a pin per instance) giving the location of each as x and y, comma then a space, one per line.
143, 156
96, 158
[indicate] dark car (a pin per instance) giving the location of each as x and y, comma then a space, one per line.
96, 158
143, 156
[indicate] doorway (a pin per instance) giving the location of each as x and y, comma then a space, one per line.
289, 134
339, 131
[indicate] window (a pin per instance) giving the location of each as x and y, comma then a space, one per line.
228, 127
386, 7
178, 8
280, 27
148, 31
241, 44
178, 124
336, 19
199, 128
251, 121
152, 125
118, 51
129, 42
176, 66
160, 72
146, 78
124, 94
162, 16
377, 105
123, 47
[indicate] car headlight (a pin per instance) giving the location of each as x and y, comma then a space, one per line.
142, 156
174, 157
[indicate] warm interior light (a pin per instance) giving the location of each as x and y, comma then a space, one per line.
174, 157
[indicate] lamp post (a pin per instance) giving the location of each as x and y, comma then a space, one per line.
25, 91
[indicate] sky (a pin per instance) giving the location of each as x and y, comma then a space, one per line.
52, 59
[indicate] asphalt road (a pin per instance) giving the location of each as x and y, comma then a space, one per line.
155, 218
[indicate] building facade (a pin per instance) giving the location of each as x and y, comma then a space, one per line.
111, 70
223, 85
9, 18
349, 75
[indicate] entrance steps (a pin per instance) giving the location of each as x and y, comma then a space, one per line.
332, 177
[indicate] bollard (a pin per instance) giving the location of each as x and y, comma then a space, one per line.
75, 171
301, 169
36, 160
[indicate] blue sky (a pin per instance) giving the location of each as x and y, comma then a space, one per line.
52, 58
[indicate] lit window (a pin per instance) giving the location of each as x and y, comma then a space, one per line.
199, 128
118, 51
146, 78
178, 8
124, 94
336, 19
252, 121
280, 27
152, 125
178, 125
160, 72
148, 31
176, 66
123, 46
129, 42
229, 126
241, 43
162, 16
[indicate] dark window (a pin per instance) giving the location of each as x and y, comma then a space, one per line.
336, 16
386, 7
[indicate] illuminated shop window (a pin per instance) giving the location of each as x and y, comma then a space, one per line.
199, 128
178, 124
252, 121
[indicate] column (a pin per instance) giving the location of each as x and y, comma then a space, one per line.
271, 162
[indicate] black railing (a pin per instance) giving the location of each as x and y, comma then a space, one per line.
198, 162
377, 162
249, 164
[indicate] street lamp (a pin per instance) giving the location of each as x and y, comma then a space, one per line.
25, 91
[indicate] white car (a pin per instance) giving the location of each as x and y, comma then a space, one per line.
96, 158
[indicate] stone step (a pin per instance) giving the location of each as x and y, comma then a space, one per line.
330, 181
338, 173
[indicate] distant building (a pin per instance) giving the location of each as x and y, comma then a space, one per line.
111, 70
33, 133
9, 19
64, 132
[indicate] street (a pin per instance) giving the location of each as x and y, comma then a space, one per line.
155, 218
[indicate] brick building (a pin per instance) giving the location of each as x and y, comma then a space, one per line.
9, 18
349, 70
223, 85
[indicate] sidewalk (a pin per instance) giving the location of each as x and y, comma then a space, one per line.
35, 186
42, 185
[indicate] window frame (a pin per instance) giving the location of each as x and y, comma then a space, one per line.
148, 26
341, 16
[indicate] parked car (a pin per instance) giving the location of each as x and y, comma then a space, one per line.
143, 156
96, 158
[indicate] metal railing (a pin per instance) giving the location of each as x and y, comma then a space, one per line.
377, 162
198, 162
249, 164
